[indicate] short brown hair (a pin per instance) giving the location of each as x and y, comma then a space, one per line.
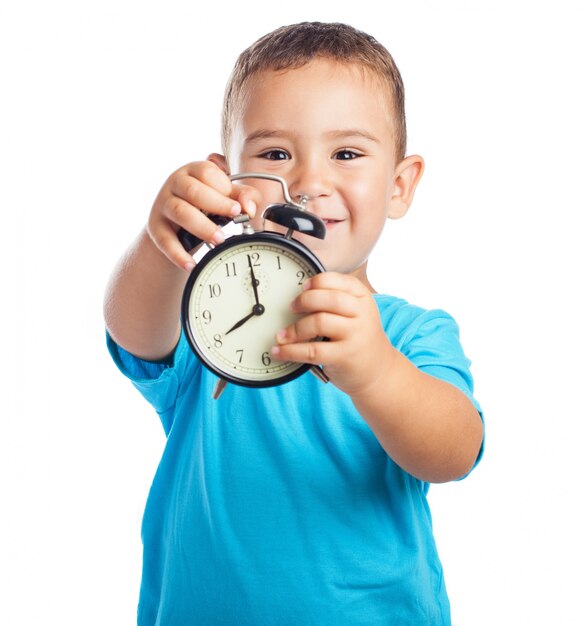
291, 47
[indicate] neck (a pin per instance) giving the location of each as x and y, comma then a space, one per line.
361, 274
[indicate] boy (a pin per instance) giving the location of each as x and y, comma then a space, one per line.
304, 503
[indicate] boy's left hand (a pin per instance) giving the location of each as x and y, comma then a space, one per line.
341, 308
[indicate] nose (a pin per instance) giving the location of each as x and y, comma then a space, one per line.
310, 179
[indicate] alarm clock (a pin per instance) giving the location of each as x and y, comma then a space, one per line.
238, 296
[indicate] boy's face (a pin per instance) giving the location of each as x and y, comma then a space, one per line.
326, 128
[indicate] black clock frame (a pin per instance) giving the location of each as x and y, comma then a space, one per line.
249, 239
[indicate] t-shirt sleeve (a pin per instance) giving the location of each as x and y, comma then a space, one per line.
160, 383
431, 341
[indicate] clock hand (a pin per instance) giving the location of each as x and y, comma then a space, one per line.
240, 323
258, 309
254, 281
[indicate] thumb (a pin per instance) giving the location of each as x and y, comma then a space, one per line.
248, 197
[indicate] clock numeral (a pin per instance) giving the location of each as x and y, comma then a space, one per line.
301, 276
230, 269
266, 360
255, 259
217, 342
206, 315
214, 290
278, 262
241, 353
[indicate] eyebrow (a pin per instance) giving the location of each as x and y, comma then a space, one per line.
352, 132
346, 133
264, 133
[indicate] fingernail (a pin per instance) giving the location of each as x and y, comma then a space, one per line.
189, 266
306, 285
236, 210
251, 208
275, 350
218, 237
281, 335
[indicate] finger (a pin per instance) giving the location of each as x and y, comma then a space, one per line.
164, 237
314, 352
334, 280
211, 175
203, 196
249, 198
184, 215
326, 300
312, 326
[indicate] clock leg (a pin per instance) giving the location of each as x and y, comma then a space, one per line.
219, 387
319, 373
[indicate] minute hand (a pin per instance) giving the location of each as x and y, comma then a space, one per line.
254, 281
257, 309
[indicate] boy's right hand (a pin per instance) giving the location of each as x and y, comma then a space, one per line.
188, 194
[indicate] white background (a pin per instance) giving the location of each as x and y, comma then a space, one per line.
101, 103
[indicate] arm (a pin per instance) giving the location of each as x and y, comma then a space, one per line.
142, 301
427, 426
143, 297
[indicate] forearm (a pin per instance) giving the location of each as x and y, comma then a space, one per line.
142, 301
427, 426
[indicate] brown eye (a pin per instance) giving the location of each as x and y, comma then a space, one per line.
275, 155
346, 155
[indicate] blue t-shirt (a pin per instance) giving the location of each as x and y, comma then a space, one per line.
279, 507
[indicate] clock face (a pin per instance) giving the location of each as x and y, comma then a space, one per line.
237, 299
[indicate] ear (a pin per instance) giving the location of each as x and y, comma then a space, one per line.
406, 177
220, 161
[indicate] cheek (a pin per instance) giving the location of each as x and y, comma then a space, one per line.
271, 191
370, 195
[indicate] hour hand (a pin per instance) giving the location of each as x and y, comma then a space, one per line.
258, 309
240, 323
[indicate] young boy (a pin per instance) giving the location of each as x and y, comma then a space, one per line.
304, 503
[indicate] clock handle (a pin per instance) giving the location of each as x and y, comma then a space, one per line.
190, 241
